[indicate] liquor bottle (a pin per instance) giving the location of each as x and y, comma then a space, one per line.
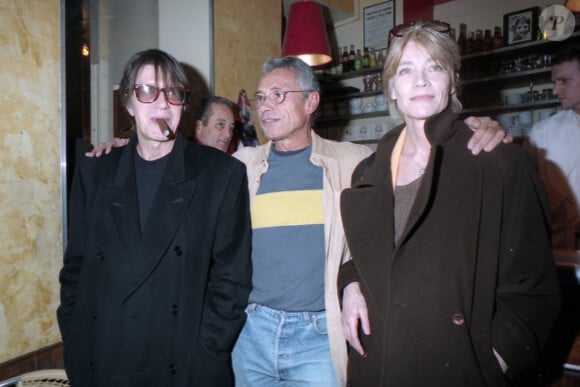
486, 40
373, 58
351, 56
344, 60
469, 43
366, 59
358, 60
462, 38
336, 61
381, 58
497, 39
478, 41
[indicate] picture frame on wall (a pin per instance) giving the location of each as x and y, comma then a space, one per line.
521, 26
378, 21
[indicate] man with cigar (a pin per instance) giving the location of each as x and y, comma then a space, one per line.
157, 269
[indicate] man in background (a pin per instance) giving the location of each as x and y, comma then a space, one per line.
555, 149
214, 122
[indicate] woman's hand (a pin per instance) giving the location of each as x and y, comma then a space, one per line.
354, 309
106, 147
488, 134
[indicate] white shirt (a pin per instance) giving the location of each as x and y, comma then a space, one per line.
559, 137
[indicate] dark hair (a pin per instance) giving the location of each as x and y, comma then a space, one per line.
203, 108
165, 66
568, 55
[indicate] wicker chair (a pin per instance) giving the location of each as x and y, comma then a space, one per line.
41, 378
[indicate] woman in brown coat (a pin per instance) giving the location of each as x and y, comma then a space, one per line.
452, 252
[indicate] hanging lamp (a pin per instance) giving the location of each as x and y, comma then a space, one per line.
305, 36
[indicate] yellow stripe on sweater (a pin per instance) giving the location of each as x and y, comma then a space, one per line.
288, 208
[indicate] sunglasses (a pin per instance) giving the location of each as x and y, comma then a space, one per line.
149, 93
436, 25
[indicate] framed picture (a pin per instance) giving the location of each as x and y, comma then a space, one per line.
520, 26
378, 21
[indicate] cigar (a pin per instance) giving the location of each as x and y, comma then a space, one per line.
164, 128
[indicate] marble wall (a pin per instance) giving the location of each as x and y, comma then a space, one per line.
30, 177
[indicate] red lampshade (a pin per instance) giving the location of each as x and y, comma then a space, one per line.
305, 35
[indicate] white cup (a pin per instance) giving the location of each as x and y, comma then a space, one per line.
379, 131
513, 99
347, 135
363, 133
506, 120
355, 105
368, 108
525, 118
545, 114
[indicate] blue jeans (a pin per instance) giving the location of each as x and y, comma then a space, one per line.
277, 348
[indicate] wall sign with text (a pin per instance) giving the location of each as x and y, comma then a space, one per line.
378, 21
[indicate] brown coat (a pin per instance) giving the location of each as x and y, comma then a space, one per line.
473, 269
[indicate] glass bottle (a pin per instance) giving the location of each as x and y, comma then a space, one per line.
373, 58
358, 60
351, 57
486, 40
478, 41
366, 59
344, 60
462, 38
381, 58
469, 43
497, 40
337, 61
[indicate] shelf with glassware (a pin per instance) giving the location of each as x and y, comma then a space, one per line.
353, 107
512, 83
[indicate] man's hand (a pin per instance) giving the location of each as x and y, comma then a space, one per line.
354, 309
488, 134
106, 147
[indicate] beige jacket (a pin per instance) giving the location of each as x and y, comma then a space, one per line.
338, 159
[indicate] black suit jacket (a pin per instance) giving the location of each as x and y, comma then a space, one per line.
160, 306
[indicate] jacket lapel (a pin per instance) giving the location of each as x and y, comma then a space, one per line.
367, 210
167, 211
123, 200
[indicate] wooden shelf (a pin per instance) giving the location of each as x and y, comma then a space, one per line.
327, 97
546, 104
485, 83
324, 122
350, 74
528, 75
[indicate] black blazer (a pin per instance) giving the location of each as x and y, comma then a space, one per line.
160, 306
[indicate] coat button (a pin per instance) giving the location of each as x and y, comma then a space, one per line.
458, 319
101, 256
177, 251
172, 369
175, 309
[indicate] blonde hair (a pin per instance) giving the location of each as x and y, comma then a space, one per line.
439, 45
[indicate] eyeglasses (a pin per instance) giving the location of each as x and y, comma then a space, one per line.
276, 97
400, 30
149, 94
